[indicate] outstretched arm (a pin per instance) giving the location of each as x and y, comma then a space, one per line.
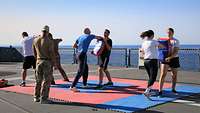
58, 40
98, 37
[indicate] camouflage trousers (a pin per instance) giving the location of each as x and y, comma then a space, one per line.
43, 76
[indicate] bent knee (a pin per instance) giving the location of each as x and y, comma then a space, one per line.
100, 69
174, 76
105, 69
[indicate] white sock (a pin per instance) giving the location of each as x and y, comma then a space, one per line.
147, 90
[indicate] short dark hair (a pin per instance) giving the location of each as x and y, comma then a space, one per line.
24, 34
148, 33
171, 29
87, 31
106, 30
143, 34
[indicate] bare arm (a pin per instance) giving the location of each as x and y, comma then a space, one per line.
174, 52
141, 50
161, 46
107, 45
75, 45
34, 51
98, 37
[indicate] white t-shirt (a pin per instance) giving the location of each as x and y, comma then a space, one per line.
150, 48
174, 43
27, 43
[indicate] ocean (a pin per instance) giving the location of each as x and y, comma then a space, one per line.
127, 55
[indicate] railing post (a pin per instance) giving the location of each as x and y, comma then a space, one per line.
126, 58
199, 58
129, 57
74, 57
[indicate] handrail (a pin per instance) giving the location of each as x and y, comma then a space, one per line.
128, 56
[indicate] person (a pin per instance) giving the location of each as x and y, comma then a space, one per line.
50, 36
82, 44
59, 67
172, 61
103, 59
29, 59
44, 53
150, 55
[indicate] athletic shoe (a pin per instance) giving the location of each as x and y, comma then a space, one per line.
74, 89
109, 84
36, 100
66, 79
53, 83
23, 84
174, 91
46, 101
160, 94
153, 93
85, 86
147, 95
99, 86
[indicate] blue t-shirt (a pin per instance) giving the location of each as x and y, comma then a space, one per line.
83, 42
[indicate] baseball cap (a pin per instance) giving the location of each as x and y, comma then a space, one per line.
45, 28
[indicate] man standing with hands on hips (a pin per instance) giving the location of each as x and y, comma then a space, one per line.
44, 53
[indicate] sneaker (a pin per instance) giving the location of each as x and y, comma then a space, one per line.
36, 100
99, 86
147, 95
66, 79
46, 101
153, 93
160, 94
109, 84
74, 89
174, 91
85, 86
53, 83
23, 84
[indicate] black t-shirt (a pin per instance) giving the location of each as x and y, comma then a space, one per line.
106, 52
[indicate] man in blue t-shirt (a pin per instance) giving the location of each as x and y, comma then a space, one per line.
82, 44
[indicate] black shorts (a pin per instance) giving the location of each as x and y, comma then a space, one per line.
103, 61
174, 63
29, 61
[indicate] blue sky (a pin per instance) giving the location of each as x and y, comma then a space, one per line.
125, 18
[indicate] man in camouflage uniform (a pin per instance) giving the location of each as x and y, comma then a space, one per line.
44, 53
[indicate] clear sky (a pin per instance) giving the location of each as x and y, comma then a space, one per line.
126, 19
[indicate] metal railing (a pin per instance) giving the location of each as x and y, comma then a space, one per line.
128, 57
189, 59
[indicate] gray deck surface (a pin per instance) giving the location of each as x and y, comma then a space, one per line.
20, 103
